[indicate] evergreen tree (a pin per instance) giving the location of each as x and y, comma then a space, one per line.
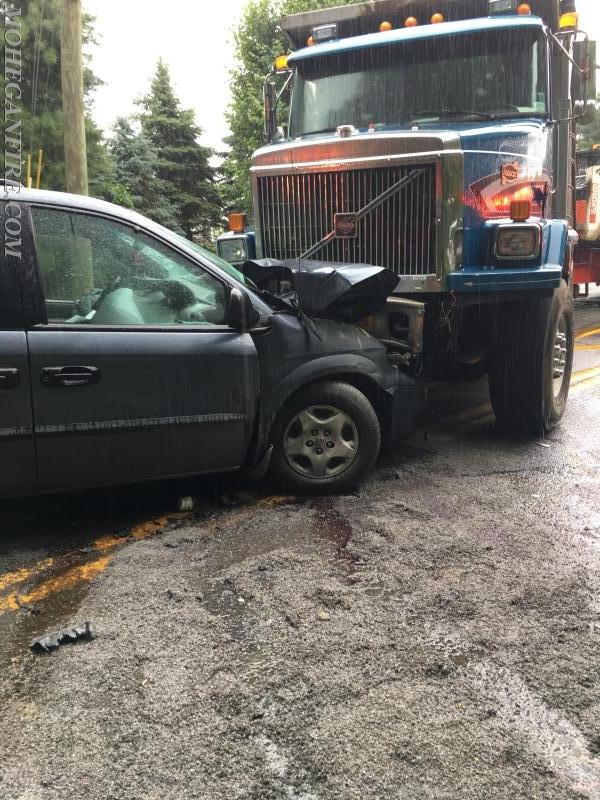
258, 40
182, 163
41, 102
136, 173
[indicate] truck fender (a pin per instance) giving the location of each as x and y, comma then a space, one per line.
557, 243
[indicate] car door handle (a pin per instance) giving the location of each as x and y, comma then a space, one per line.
69, 376
9, 378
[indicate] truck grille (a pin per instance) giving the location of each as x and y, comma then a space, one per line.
297, 211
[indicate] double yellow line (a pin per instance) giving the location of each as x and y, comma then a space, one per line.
586, 378
585, 333
68, 576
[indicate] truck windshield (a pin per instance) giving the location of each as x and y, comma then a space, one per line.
468, 76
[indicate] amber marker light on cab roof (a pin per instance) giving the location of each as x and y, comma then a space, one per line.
437, 18
411, 22
385, 26
237, 222
569, 20
281, 62
524, 10
520, 210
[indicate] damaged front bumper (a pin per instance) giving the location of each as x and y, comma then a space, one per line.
355, 293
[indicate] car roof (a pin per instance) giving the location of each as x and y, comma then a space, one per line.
77, 201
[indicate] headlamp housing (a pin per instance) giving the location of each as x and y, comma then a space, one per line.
515, 242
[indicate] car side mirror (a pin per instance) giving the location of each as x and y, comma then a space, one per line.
241, 315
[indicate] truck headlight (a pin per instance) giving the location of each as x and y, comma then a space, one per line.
234, 249
515, 242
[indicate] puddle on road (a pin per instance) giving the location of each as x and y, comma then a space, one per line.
18, 631
50, 550
331, 525
42, 596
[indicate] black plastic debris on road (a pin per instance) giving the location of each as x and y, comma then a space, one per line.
52, 641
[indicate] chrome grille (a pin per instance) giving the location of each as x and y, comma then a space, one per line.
297, 211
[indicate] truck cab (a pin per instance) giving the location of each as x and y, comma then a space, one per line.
437, 138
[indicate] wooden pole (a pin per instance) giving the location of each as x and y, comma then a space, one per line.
28, 184
38, 176
71, 63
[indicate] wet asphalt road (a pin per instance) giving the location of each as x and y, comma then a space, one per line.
435, 636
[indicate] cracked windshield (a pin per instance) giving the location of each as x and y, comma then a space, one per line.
299, 400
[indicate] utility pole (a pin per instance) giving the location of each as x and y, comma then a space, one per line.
71, 67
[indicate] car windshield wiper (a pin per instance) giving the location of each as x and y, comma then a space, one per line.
447, 113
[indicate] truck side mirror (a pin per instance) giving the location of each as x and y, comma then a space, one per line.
270, 106
584, 80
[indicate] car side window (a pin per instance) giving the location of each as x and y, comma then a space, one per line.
101, 272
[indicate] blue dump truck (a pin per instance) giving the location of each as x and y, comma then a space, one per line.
435, 138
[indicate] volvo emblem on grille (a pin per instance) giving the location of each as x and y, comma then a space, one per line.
345, 226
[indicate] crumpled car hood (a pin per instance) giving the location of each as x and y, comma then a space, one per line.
325, 289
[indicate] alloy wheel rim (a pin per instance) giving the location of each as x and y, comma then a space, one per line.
320, 442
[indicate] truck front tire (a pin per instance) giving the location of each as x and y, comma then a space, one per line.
530, 368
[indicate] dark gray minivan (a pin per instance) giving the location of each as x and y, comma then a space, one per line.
128, 353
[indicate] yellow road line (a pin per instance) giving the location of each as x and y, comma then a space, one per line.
586, 384
21, 575
69, 579
142, 531
585, 332
468, 415
75, 575
584, 375
101, 545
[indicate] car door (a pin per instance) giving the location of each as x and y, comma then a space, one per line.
135, 373
17, 453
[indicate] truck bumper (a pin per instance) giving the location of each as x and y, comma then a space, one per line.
494, 279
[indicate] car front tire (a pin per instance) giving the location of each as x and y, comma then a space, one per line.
326, 439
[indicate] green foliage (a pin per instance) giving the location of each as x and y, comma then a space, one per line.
41, 102
136, 177
182, 164
258, 40
588, 135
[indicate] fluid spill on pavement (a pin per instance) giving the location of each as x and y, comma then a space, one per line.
43, 596
16, 660
331, 525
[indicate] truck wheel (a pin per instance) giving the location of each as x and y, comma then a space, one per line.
530, 371
326, 439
